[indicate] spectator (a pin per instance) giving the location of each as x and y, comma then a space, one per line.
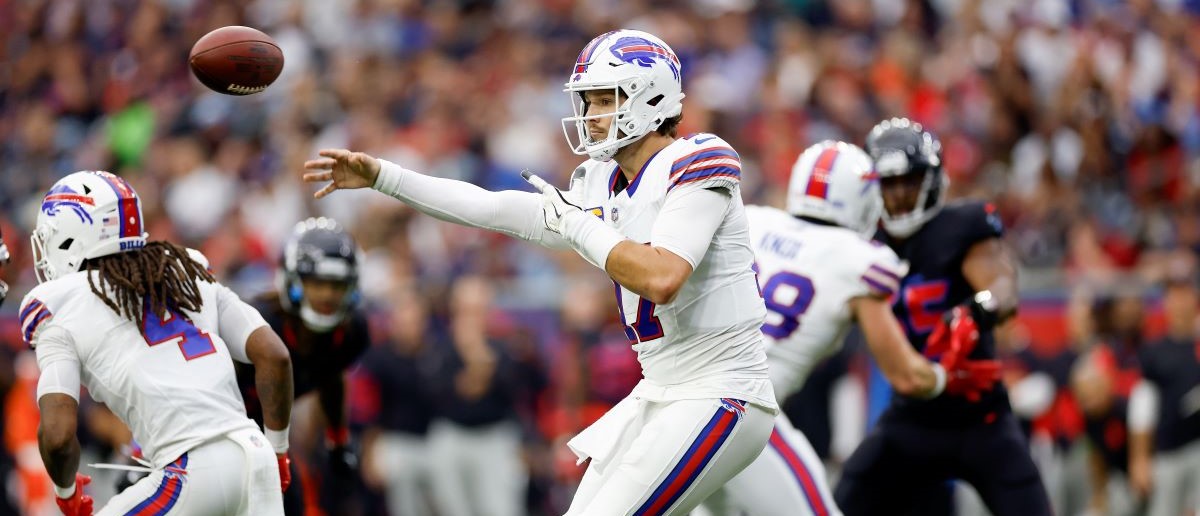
474, 440
395, 457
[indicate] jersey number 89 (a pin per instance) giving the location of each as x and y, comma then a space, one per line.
790, 308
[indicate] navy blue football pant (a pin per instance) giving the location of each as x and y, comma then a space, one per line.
903, 467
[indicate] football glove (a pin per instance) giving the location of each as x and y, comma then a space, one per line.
285, 470
556, 209
954, 339
78, 504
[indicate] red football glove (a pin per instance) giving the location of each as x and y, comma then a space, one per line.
954, 339
78, 504
285, 470
971, 378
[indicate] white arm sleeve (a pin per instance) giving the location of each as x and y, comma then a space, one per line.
58, 362
236, 320
1143, 407
688, 220
514, 213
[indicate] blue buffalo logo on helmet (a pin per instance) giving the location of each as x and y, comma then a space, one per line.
643, 52
62, 196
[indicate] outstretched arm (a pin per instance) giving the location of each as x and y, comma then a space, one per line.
908, 372
514, 213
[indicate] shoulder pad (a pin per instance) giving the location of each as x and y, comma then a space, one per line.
707, 162
36, 310
200, 258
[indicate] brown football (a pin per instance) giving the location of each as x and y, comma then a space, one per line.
236, 60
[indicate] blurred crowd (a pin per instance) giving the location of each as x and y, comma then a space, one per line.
1079, 118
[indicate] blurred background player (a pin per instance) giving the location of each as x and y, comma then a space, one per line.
820, 274
955, 255
474, 447
1164, 408
149, 332
664, 218
315, 310
395, 454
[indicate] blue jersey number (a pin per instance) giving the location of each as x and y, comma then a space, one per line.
193, 342
646, 327
791, 308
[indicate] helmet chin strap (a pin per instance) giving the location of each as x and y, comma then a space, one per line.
319, 322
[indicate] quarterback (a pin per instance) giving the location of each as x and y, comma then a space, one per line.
663, 216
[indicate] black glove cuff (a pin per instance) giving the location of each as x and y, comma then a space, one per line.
984, 310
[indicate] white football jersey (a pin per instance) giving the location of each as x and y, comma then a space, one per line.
808, 273
172, 384
706, 342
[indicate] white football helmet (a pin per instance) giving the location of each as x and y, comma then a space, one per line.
85, 215
835, 182
642, 71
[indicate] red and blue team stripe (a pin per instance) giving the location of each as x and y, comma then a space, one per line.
164, 498
709, 163
804, 477
692, 464
818, 181
128, 207
32, 317
585, 56
881, 279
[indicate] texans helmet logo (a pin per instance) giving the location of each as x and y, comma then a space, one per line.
643, 52
63, 196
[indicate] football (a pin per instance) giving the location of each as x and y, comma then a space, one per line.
236, 60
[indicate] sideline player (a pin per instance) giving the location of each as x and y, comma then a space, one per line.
820, 274
150, 333
664, 218
314, 309
955, 256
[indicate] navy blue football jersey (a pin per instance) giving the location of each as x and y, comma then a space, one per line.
316, 357
935, 284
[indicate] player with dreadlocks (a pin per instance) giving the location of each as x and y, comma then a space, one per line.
106, 304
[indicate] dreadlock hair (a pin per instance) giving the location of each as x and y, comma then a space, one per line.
160, 276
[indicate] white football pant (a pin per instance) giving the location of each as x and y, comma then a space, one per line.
234, 475
670, 456
787, 479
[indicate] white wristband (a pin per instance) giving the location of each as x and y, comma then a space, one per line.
64, 492
277, 438
389, 177
591, 237
939, 381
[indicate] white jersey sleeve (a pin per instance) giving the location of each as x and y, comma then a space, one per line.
57, 362
236, 320
711, 164
687, 222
